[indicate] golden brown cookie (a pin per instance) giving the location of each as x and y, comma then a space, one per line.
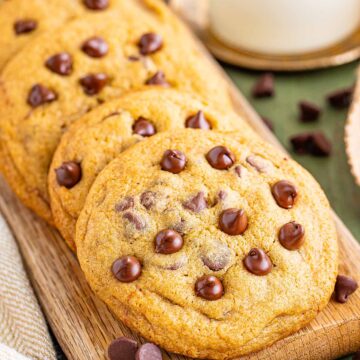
98, 137
61, 75
211, 245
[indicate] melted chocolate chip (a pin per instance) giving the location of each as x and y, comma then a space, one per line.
148, 352
25, 26
158, 78
150, 43
135, 219
173, 161
197, 203
233, 221
143, 127
220, 158
215, 255
96, 4
68, 174
147, 199
40, 95
61, 63
291, 235
198, 121
209, 288
284, 193
308, 111
341, 99
126, 204
122, 349
126, 268
344, 287
93, 83
168, 242
257, 262
95, 47
264, 87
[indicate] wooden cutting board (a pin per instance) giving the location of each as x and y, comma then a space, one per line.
84, 326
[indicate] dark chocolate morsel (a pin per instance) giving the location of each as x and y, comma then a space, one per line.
150, 43
96, 4
68, 174
284, 193
197, 203
126, 269
344, 287
158, 78
257, 262
61, 63
209, 287
168, 242
264, 87
173, 161
95, 47
220, 158
148, 351
233, 221
341, 99
198, 121
40, 95
308, 111
25, 26
143, 127
122, 349
93, 83
291, 235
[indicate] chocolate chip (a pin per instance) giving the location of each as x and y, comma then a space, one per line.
168, 242
95, 47
135, 219
158, 79
257, 262
147, 199
173, 161
148, 352
143, 127
341, 99
300, 143
96, 4
308, 111
126, 268
198, 121
220, 158
150, 43
291, 235
122, 349
61, 63
238, 170
209, 287
284, 193
268, 122
197, 203
40, 95
344, 287
126, 204
260, 164
264, 87
215, 255
93, 83
68, 174
25, 26
314, 143
233, 221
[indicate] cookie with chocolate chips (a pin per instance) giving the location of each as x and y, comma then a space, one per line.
62, 74
245, 260
98, 137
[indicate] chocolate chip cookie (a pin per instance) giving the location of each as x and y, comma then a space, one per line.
211, 245
98, 137
61, 75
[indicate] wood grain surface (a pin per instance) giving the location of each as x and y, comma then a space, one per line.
84, 326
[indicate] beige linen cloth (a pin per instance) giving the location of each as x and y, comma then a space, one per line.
23, 331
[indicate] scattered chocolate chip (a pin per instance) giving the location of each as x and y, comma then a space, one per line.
122, 349
147, 199
209, 287
148, 352
300, 143
220, 158
341, 99
268, 122
233, 221
260, 164
61, 63
344, 287
40, 95
308, 111
284, 193
197, 203
150, 43
135, 219
143, 127
173, 161
96, 4
93, 83
25, 26
126, 204
168, 242
126, 268
264, 87
215, 255
238, 170
158, 78
198, 121
257, 262
68, 174
95, 47
291, 235
314, 143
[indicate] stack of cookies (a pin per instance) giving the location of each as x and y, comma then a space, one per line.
117, 130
